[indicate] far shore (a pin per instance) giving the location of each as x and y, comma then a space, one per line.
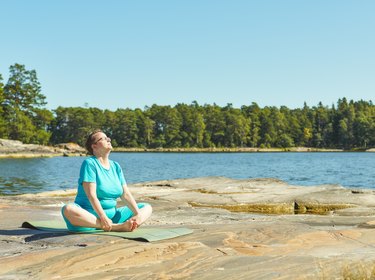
33, 154
235, 150
16, 149
225, 150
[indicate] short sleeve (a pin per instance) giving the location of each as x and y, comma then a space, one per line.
87, 172
120, 173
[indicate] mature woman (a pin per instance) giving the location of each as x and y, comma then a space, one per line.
100, 183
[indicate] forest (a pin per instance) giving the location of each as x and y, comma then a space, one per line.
348, 125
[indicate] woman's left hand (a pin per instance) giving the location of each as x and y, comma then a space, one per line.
134, 225
135, 222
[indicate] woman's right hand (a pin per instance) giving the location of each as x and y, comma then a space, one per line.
106, 223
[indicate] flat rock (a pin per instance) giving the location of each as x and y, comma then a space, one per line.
243, 229
15, 148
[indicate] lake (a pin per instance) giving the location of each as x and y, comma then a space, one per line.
354, 170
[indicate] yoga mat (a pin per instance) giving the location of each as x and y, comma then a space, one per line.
148, 234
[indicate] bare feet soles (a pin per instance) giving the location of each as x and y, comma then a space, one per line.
129, 225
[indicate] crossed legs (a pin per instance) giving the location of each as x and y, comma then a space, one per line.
79, 219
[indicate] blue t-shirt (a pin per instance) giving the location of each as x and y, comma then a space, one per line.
109, 183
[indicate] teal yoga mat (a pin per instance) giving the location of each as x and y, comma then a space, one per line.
148, 234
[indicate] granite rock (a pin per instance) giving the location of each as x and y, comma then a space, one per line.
243, 229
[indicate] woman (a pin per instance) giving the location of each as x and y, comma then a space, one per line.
100, 183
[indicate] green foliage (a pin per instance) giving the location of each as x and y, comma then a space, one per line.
192, 127
74, 124
145, 127
167, 126
215, 126
23, 90
125, 129
252, 113
22, 109
2, 118
350, 125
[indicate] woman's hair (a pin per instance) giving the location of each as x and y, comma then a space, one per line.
90, 141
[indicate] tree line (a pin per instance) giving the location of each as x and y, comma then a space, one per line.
23, 116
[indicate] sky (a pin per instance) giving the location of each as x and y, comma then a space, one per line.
131, 54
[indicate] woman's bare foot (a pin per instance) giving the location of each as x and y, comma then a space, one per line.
129, 225
135, 221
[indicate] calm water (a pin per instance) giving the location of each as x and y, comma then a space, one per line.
347, 169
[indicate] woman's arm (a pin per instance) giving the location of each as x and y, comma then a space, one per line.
90, 190
140, 215
129, 199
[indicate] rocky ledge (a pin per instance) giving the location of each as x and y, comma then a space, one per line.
243, 229
15, 148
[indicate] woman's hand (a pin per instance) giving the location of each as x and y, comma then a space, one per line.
134, 224
106, 223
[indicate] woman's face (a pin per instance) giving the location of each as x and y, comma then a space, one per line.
101, 141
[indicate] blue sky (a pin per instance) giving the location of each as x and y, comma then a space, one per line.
119, 54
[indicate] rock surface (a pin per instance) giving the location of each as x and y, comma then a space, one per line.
15, 148
243, 229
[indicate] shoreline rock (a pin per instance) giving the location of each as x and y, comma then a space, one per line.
17, 149
334, 244
224, 150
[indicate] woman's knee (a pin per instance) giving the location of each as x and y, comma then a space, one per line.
149, 207
146, 210
69, 209
145, 206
